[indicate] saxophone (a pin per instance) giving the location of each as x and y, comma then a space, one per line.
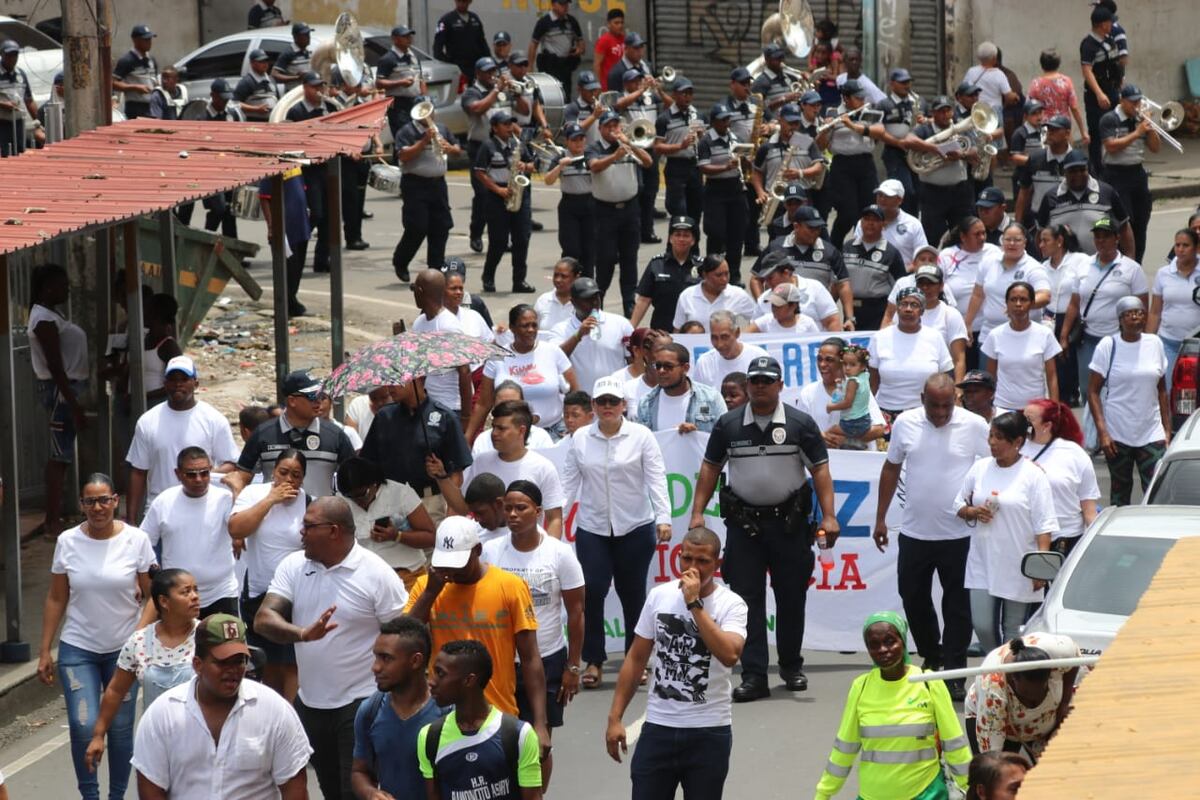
777, 188
517, 181
987, 151
755, 135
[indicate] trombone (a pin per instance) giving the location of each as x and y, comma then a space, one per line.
1163, 119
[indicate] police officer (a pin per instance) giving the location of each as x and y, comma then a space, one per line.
313, 105
901, 113
769, 448
724, 200
557, 43
615, 163
1102, 61
136, 73
787, 156
946, 191
1080, 200
992, 211
874, 265
773, 83
677, 131
745, 107
257, 92
459, 39
1127, 135
264, 14
425, 215
852, 176
168, 99
640, 106
576, 208
584, 111
816, 258
481, 100
667, 275
1044, 171
400, 77
493, 169
15, 99
294, 62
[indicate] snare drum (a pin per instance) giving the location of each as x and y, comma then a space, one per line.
385, 178
246, 204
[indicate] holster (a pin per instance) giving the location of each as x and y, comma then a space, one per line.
733, 510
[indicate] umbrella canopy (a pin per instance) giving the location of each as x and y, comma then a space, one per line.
399, 359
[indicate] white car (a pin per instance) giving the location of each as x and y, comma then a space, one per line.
41, 57
1176, 479
1101, 582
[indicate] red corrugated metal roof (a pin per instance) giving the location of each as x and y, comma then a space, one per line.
137, 167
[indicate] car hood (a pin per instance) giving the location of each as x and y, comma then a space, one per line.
41, 66
1093, 633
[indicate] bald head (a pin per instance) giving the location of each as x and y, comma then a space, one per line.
336, 511
429, 288
938, 399
939, 382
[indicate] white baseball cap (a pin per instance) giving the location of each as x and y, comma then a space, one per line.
456, 538
182, 364
891, 188
610, 386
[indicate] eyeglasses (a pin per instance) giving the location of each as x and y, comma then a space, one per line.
608, 400
306, 527
663, 366
312, 398
196, 473
1013, 240
103, 500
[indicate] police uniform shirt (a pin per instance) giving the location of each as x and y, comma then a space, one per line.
399, 439
557, 35
617, 73
479, 126
899, 117
821, 262
716, 149
133, 67
577, 110
845, 142
1115, 124
1081, 210
303, 111
1026, 140
1042, 174
771, 85
742, 123
163, 104
994, 234
766, 465
396, 65
904, 233
620, 182
950, 173
294, 61
257, 90
459, 39
231, 113
426, 164
873, 268
495, 156
673, 126
324, 446
646, 107
662, 281
15, 87
576, 176
1104, 57
264, 16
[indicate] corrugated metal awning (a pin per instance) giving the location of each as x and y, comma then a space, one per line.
141, 166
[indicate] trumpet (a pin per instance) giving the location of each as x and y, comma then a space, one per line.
667, 75
423, 113
1163, 119
639, 132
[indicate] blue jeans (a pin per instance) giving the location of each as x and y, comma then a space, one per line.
987, 611
695, 758
622, 562
83, 675
1171, 346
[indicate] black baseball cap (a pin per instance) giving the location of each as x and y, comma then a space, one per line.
776, 259
1130, 92
941, 101
929, 272
720, 111
1075, 158
1059, 121
502, 37
794, 191
852, 88
300, 28
634, 39
1033, 106
741, 75
990, 197
585, 287
454, 265
587, 80
221, 86
764, 367
872, 210
300, 382
402, 30
808, 216
967, 88
258, 54
791, 113
311, 78
900, 75
631, 75
978, 377
142, 32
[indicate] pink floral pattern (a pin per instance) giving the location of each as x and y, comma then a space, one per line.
396, 361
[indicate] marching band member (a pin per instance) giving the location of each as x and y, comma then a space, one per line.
678, 129
356, 168
772, 83
314, 105
294, 62
744, 108
257, 92
901, 113
494, 170
136, 73
852, 177
615, 163
584, 111
949, 198
481, 100
805, 164
168, 99
724, 202
425, 215
576, 207
640, 106
400, 77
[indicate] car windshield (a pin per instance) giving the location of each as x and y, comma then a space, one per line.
1179, 484
1113, 572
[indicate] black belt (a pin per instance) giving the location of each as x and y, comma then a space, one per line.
619, 205
1118, 167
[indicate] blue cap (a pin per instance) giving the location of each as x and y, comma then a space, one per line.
1059, 121
311, 78
1075, 158
221, 86
634, 39
791, 113
573, 131
501, 117
720, 111
587, 80
808, 216
741, 75
485, 64
454, 266
518, 58
990, 197
402, 30
900, 74
502, 37
142, 32
609, 116
58, 79
852, 88
794, 191
258, 54
683, 85
1130, 92
810, 98
9, 46
631, 75
1033, 106
300, 28
967, 88
872, 211
941, 101
774, 51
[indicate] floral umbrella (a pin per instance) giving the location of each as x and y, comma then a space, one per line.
399, 359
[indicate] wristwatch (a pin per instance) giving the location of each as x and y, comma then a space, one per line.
697, 603
574, 669
851, 320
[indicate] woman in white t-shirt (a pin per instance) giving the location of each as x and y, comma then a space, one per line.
99, 576
58, 349
1064, 264
543, 370
785, 316
713, 293
960, 261
1174, 310
904, 355
999, 271
1008, 502
1127, 395
815, 396
388, 517
267, 517
156, 657
1055, 444
1020, 355
555, 579
939, 313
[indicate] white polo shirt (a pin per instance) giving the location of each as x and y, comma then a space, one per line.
1127, 278
995, 279
815, 300
261, 746
1180, 313
336, 670
694, 306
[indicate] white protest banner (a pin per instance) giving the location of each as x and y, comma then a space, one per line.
861, 581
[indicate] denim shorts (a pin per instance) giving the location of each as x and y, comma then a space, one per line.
62, 422
855, 428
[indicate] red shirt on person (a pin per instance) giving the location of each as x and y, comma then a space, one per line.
611, 48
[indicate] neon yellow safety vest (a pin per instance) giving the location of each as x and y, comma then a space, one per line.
896, 725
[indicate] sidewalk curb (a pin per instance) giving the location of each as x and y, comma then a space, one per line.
1184, 187
21, 692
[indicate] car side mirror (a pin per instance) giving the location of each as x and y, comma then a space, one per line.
1041, 565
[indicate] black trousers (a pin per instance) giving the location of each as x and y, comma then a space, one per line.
1066, 365
354, 196
685, 189
850, 188
12, 137
577, 229
725, 222
219, 214
896, 166
331, 736
425, 217
314, 192
558, 67
868, 312
399, 114
617, 241
1133, 185
750, 241
943, 207
295, 270
648, 197
479, 193
502, 224
787, 555
916, 562
1093, 112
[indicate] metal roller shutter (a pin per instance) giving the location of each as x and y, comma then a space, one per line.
925, 19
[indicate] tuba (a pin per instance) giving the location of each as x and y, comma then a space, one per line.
792, 27
517, 182
345, 52
983, 119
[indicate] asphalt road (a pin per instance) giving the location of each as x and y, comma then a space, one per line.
780, 744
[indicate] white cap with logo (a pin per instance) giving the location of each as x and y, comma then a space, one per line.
456, 538
608, 386
182, 364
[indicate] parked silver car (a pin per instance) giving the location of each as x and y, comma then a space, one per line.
1177, 477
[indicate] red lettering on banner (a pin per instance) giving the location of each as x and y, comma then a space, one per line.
662, 576
850, 578
668, 556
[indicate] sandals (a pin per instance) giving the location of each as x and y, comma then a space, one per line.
591, 676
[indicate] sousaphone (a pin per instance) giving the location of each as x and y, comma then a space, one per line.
344, 52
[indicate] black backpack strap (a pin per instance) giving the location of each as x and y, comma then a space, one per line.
510, 740
432, 740
374, 705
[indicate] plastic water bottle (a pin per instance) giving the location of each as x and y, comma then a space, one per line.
992, 504
594, 333
824, 555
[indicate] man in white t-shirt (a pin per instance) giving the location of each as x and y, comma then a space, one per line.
513, 460
593, 357
932, 448
163, 431
677, 403
361, 411
452, 388
728, 353
329, 600
695, 629
192, 522
994, 88
261, 751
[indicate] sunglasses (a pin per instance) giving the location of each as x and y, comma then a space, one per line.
762, 380
665, 365
608, 400
196, 473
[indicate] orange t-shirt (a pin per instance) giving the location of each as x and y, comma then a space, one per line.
492, 611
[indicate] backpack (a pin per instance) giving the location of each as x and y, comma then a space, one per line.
510, 736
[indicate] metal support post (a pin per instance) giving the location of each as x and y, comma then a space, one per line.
13, 649
279, 284
137, 321
166, 249
333, 205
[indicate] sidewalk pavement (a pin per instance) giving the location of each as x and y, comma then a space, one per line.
20, 690
1174, 174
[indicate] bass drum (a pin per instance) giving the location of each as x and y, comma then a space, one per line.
246, 204
552, 98
385, 178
